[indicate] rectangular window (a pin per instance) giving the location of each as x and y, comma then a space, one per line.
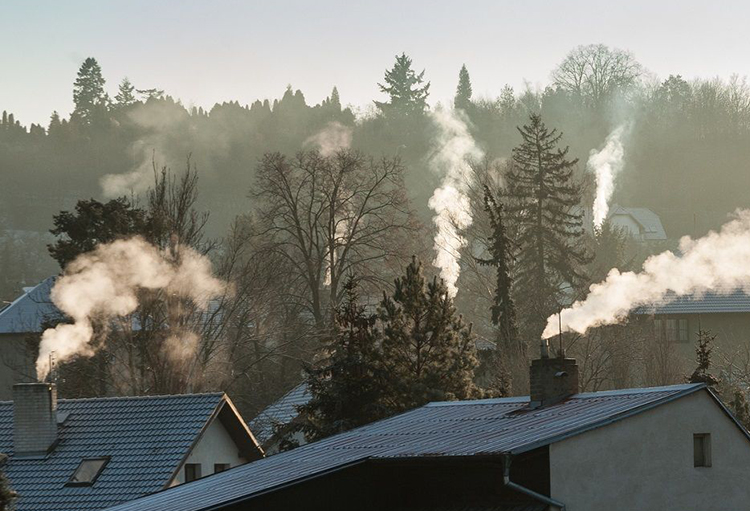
683, 330
192, 471
671, 330
702, 450
221, 467
87, 471
659, 329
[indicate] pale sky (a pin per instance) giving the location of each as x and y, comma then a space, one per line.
204, 52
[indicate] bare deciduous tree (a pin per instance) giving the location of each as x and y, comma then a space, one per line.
595, 72
331, 216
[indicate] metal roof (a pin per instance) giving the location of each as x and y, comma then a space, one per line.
280, 413
28, 312
459, 428
717, 301
146, 439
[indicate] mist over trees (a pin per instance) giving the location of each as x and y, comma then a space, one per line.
317, 210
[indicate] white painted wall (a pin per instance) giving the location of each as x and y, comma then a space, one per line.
645, 462
215, 446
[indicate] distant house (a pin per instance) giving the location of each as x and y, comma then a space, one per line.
641, 223
90, 454
648, 449
676, 321
21, 323
274, 421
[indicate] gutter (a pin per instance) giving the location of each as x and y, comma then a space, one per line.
526, 491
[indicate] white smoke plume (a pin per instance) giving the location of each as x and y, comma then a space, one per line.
718, 262
450, 201
606, 164
334, 137
103, 284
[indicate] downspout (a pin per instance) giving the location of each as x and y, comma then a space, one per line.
522, 489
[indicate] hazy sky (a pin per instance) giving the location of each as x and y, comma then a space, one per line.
205, 52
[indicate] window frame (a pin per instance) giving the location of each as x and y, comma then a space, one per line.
221, 467
198, 469
95, 477
704, 441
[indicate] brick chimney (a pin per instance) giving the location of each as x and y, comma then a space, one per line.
34, 419
552, 379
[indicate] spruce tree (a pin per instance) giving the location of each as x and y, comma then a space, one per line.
501, 257
125, 95
544, 205
408, 95
428, 351
335, 101
463, 91
703, 351
90, 100
346, 386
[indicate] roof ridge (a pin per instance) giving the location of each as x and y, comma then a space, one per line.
123, 398
580, 395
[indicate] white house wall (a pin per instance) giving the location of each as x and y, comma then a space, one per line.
645, 462
215, 446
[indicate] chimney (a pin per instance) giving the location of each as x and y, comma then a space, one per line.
34, 419
552, 379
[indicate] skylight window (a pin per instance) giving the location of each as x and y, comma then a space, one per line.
87, 472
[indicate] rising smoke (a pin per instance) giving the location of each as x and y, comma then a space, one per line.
450, 201
103, 284
334, 137
606, 164
718, 262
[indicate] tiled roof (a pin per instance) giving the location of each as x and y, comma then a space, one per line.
719, 301
461, 428
280, 413
146, 438
29, 311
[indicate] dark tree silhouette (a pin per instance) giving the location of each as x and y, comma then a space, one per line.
91, 101
462, 99
407, 94
544, 204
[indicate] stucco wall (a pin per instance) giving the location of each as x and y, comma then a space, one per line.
645, 462
216, 446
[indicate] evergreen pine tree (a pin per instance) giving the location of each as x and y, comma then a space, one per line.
463, 91
125, 95
503, 308
345, 388
544, 204
335, 101
90, 100
428, 351
404, 87
703, 351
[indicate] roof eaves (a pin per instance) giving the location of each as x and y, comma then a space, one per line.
728, 412
607, 421
287, 484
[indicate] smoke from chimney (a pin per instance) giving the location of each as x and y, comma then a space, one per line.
450, 201
333, 137
719, 261
103, 284
606, 164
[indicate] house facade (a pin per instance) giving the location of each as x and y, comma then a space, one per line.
75, 454
674, 447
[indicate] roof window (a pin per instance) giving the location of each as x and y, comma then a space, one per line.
87, 472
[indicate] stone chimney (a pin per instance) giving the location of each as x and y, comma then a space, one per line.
552, 379
34, 419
